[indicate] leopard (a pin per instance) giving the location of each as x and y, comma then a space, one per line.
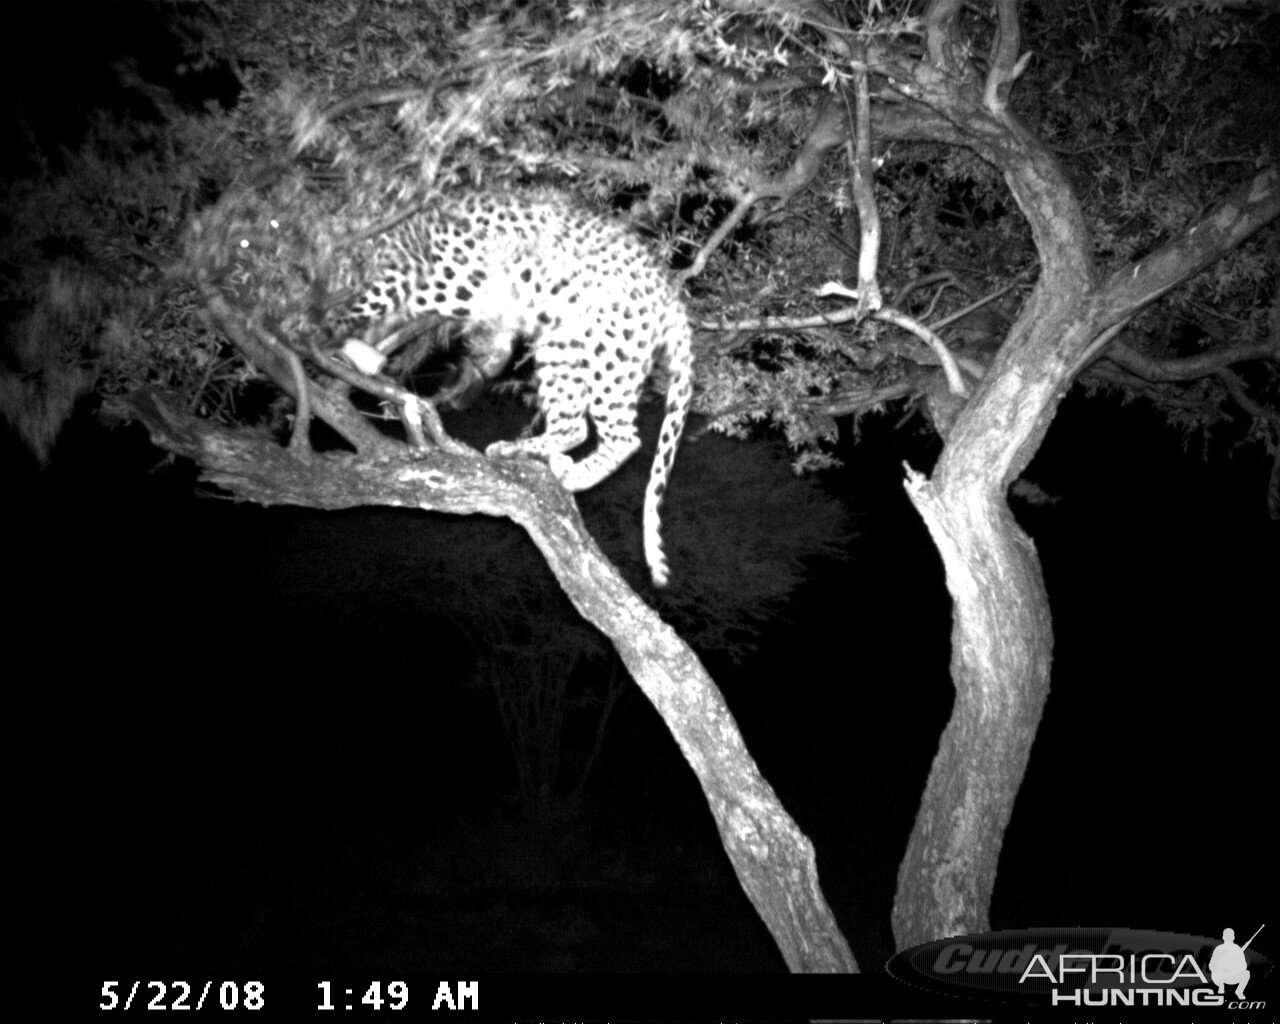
595, 307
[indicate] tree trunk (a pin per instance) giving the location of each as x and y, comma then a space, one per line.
1002, 635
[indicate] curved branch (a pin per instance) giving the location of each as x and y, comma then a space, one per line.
726, 227
955, 383
331, 409
941, 24
1237, 389
827, 133
774, 861
1203, 365
414, 409
1006, 65
864, 197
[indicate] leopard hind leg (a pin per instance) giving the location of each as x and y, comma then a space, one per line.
617, 439
562, 398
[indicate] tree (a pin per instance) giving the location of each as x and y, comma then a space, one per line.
749, 128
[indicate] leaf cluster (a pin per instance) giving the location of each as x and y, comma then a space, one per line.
672, 115
1157, 114
90, 223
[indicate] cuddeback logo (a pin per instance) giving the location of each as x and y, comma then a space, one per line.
1078, 967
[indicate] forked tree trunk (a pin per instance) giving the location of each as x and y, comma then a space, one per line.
1002, 636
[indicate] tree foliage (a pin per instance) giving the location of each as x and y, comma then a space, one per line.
684, 116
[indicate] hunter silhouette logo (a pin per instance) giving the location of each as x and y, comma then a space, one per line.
1227, 965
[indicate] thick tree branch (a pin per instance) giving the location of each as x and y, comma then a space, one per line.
1006, 65
273, 360
941, 34
955, 382
1246, 210
1203, 365
829, 131
864, 198
774, 861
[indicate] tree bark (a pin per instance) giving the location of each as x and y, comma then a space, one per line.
773, 859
